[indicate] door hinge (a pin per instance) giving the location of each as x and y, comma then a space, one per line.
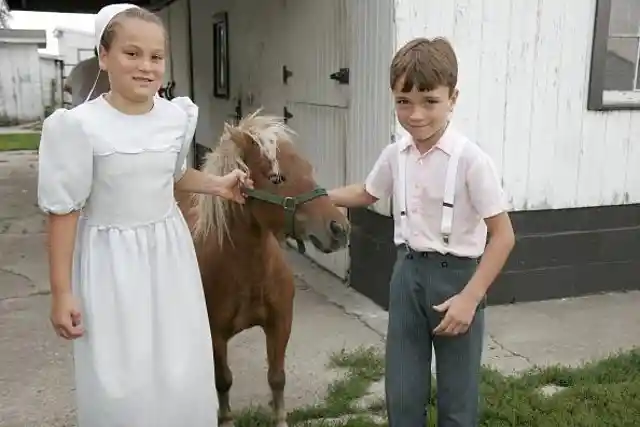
286, 74
286, 114
341, 76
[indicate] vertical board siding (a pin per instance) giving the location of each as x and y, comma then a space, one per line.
524, 72
370, 116
316, 46
321, 139
50, 83
310, 38
20, 84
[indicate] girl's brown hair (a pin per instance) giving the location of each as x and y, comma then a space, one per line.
135, 13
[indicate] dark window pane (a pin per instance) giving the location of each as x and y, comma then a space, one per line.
625, 17
621, 63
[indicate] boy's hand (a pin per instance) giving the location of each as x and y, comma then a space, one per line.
460, 310
65, 316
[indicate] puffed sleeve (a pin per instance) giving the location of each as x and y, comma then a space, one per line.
191, 109
65, 164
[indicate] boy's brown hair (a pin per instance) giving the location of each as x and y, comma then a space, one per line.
425, 64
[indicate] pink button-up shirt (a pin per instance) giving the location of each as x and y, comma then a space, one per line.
478, 194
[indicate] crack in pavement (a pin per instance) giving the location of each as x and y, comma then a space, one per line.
511, 352
29, 295
15, 273
342, 307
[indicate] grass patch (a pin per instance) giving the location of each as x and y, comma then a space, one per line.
19, 141
596, 394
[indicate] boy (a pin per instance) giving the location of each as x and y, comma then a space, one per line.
437, 288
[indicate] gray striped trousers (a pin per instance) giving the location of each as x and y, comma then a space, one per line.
420, 281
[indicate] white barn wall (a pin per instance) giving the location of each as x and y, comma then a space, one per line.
50, 82
254, 71
73, 46
342, 128
176, 20
20, 84
370, 117
524, 71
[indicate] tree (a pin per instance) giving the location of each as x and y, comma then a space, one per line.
4, 14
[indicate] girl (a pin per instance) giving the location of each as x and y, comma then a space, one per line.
124, 277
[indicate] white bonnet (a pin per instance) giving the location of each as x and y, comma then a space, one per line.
105, 16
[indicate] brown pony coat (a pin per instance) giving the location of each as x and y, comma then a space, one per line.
245, 277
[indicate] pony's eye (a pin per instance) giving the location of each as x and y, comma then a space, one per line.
276, 178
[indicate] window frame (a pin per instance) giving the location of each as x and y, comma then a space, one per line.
597, 98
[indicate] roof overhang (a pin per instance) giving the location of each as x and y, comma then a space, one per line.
32, 37
78, 6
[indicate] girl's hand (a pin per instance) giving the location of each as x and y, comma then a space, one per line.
232, 184
66, 317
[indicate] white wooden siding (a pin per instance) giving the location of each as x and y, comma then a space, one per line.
524, 71
20, 86
309, 37
176, 20
50, 81
316, 46
370, 118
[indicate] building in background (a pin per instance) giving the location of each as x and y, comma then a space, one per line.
551, 90
30, 82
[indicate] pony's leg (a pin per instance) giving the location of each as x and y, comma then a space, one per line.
224, 379
277, 333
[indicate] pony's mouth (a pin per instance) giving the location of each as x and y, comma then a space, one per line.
318, 244
333, 245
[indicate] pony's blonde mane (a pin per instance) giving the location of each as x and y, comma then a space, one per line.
267, 132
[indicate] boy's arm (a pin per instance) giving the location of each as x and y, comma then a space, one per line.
488, 199
500, 244
379, 184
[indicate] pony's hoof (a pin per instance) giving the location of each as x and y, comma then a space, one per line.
282, 424
228, 423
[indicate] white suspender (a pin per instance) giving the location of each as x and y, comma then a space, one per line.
402, 191
449, 191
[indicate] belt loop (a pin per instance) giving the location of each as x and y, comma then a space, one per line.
407, 248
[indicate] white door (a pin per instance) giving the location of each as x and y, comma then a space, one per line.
316, 103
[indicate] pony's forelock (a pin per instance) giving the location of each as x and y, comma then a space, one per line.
267, 132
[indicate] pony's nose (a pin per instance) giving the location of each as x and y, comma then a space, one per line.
337, 230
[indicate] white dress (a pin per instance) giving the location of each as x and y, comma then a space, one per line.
146, 359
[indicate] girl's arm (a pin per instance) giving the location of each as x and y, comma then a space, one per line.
195, 181
228, 186
65, 173
61, 242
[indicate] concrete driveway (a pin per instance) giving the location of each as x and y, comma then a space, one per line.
35, 367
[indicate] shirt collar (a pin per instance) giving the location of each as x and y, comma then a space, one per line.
446, 142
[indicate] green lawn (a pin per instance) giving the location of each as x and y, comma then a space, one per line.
600, 394
19, 141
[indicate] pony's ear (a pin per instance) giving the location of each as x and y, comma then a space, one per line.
238, 137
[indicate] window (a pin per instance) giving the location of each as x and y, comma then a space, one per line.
615, 60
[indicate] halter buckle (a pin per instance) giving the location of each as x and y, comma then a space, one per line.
289, 203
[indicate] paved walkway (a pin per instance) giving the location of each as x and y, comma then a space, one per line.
35, 366
35, 369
